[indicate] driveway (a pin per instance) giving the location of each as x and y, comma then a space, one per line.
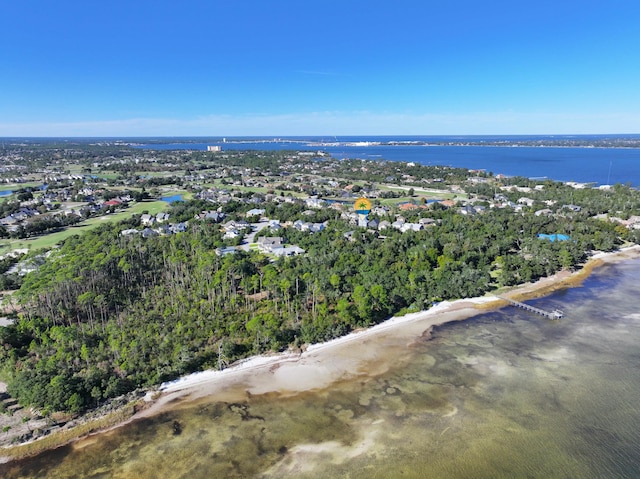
255, 228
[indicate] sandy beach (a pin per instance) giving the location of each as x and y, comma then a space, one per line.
362, 353
320, 365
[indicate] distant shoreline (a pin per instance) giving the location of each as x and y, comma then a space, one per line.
311, 143
316, 367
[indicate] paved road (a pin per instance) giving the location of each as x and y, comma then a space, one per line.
248, 239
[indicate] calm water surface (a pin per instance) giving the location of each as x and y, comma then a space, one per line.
586, 165
503, 395
172, 198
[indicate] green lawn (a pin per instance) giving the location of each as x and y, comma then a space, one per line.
157, 174
17, 186
416, 199
108, 176
186, 195
75, 169
152, 207
254, 189
47, 241
397, 201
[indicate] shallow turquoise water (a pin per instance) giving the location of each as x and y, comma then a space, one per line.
503, 395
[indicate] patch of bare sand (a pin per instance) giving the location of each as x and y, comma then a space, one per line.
367, 353
359, 353
364, 353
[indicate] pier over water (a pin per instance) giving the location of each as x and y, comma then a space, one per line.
555, 314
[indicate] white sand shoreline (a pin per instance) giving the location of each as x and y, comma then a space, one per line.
266, 374
255, 362
360, 353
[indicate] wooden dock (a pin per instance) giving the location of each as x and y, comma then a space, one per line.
555, 314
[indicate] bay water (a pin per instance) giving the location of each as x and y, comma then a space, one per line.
601, 166
505, 394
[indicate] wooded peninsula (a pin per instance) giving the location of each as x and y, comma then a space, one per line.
109, 289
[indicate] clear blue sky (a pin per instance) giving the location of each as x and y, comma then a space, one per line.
330, 67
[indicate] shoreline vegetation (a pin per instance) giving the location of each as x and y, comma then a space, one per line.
314, 367
267, 256
561, 141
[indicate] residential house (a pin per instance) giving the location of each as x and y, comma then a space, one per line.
447, 203
214, 216
411, 227
25, 213
73, 212
574, 208
408, 206
310, 227
384, 224
147, 220
179, 227
525, 201
164, 229
162, 217
350, 216
287, 250
373, 224
467, 210
380, 210
478, 180
149, 233
267, 243
236, 225
232, 234
314, 202
274, 225
398, 224
226, 250
255, 212
427, 221
113, 202
545, 212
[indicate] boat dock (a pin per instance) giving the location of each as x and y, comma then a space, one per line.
555, 314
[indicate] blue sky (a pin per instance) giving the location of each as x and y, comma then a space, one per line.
273, 67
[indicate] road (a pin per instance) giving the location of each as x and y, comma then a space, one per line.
255, 228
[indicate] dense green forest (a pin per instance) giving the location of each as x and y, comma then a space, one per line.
108, 313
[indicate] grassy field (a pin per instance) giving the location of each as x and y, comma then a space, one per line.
253, 189
17, 186
109, 176
47, 241
416, 199
186, 195
157, 174
427, 192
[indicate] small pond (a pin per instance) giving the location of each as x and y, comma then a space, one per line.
172, 198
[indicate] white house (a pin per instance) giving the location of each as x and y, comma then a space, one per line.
267, 243
255, 212
287, 251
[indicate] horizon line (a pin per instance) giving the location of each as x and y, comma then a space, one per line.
284, 137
